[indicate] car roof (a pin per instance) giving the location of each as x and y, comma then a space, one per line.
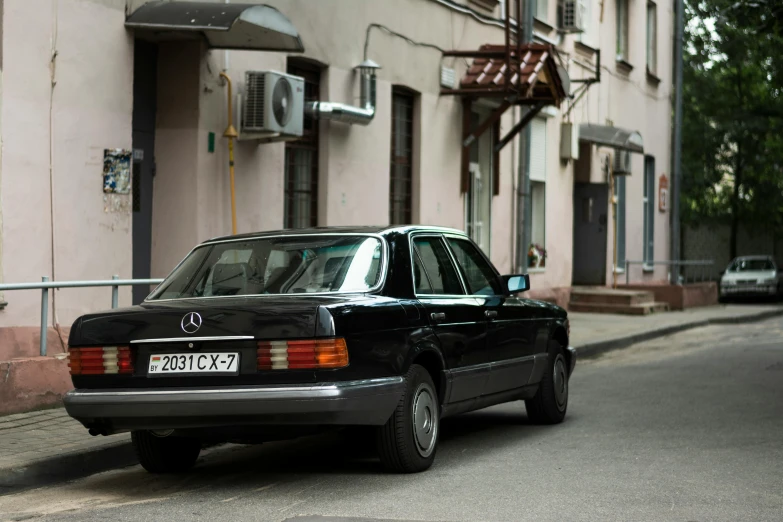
314, 231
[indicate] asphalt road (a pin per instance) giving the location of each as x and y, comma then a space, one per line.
686, 428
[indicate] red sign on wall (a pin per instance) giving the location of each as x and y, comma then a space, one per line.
663, 193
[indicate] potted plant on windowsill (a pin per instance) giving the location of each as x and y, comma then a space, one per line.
536, 256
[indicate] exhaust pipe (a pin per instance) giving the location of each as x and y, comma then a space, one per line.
345, 113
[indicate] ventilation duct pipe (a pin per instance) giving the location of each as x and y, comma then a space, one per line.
344, 113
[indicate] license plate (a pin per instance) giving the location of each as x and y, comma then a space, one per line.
193, 363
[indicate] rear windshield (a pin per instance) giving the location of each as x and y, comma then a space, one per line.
280, 265
751, 265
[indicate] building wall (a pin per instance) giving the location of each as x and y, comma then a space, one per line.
57, 117
91, 109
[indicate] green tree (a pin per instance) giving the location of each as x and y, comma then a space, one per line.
733, 114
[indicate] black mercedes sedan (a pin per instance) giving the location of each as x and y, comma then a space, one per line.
266, 336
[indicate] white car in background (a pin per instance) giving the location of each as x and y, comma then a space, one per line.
751, 276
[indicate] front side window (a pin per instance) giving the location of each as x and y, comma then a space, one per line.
439, 276
479, 276
281, 265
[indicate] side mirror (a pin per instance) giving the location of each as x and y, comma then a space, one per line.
516, 283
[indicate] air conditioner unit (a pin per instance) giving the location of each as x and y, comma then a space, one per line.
622, 163
571, 15
270, 106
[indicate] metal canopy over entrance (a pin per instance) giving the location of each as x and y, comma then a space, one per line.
514, 73
615, 137
222, 26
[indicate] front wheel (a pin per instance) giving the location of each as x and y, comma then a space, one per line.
165, 454
549, 404
408, 440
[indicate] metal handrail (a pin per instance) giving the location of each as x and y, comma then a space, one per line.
115, 283
671, 262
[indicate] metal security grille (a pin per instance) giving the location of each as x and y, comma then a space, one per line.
301, 158
253, 110
401, 169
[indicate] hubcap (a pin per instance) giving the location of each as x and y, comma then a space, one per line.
425, 420
560, 379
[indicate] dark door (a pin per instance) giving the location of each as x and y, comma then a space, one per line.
590, 231
512, 327
145, 66
456, 318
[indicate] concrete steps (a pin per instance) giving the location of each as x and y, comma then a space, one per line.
610, 301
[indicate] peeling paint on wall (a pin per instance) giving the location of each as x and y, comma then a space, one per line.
116, 171
116, 203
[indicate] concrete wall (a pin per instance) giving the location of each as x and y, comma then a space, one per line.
57, 117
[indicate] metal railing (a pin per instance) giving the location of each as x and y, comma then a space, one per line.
115, 283
677, 264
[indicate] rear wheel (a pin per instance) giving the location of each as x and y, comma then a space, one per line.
169, 454
408, 440
549, 404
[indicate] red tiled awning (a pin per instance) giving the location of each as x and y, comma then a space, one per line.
534, 78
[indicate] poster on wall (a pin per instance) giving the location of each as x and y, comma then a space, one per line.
116, 171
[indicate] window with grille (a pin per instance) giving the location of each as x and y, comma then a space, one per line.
301, 158
401, 169
649, 210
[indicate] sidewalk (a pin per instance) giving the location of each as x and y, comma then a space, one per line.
44, 447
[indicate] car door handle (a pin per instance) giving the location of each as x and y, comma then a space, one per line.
440, 316
491, 314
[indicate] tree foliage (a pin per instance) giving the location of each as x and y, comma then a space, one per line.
732, 157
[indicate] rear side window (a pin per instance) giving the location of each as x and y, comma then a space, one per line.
438, 275
478, 274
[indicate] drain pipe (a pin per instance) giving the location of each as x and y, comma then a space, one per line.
345, 113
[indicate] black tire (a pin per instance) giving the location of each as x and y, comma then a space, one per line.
399, 447
165, 454
550, 403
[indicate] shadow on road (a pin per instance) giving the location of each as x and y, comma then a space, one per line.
344, 453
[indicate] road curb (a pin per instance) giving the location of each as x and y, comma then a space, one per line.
65, 467
600, 347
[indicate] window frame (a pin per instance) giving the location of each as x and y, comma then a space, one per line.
399, 93
310, 141
622, 21
651, 46
648, 220
412, 251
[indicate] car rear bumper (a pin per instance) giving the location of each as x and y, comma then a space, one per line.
365, 402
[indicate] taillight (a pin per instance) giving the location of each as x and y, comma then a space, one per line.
302, 355
106, 360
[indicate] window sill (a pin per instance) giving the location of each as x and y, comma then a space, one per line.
623, 66
648, 269
536, 270
619, 271
585, 49
652, 79
489, 5
542, 25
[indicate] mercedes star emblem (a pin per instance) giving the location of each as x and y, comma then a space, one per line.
191, 323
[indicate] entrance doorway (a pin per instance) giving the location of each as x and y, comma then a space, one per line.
145, 95
590, 233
